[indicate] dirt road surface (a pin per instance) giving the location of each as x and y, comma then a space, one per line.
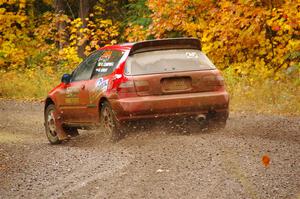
152, 163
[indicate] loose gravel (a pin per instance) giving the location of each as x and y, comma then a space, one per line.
151, 163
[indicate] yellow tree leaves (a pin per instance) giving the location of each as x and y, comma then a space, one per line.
97, 33
135, 32
252, 37
49, 41
14, 31
184, 17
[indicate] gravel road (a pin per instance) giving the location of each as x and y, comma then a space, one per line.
151, 163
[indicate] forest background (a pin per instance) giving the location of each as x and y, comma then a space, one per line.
255, 43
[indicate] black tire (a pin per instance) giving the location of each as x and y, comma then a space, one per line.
50, 126
109, 123
71, 131
217, 120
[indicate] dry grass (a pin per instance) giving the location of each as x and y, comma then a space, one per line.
32, 85
264, 96
261, 96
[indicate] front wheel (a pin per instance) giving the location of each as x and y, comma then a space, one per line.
111, 127
50, 125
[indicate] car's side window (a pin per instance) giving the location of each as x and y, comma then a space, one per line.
107, 62
85, 68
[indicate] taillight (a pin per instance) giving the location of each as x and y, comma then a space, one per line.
141, 85
220, 80
219, 85
213, 80
126, 87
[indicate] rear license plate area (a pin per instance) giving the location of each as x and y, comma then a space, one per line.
176, 84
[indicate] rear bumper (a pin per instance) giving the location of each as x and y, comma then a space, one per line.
170, 105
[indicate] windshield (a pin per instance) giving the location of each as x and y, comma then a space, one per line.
167, 61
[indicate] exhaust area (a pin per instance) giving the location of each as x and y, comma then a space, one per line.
200, 118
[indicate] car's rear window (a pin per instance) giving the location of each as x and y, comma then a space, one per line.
165, 61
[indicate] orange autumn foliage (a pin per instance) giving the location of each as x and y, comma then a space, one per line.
249, 37
255, 43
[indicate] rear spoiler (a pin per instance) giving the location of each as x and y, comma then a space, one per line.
165, 44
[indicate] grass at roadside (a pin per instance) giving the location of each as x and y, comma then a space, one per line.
263, 95
246, 94
29, 85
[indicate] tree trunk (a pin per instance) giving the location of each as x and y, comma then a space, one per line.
84, 8
59, 7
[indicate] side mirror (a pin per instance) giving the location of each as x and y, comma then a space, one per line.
66, 78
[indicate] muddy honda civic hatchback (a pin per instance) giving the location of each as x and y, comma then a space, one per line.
143, 80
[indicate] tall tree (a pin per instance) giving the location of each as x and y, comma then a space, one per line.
60, 8
85, 7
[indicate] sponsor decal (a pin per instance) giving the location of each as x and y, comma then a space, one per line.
101, 70
98, 70
100, 87
72, 95
105, 56
72, 100
191, 55
101, 84
108, 64
105, 64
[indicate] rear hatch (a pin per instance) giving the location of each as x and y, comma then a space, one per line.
172, 71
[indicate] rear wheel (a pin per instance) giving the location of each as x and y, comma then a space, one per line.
111, 127
217, 120
50, 125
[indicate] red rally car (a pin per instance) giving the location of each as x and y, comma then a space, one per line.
143, 80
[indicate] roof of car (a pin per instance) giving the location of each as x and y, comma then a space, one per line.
158, 44
130, 44
165, 44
